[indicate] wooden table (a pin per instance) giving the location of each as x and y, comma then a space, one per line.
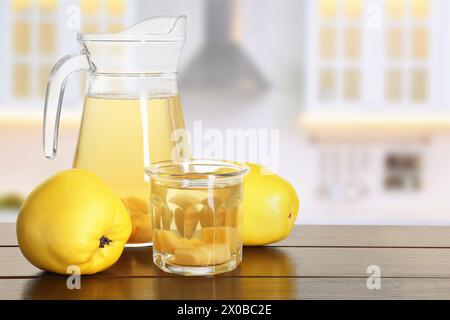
315, 262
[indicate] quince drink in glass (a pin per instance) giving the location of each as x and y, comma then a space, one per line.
197, 216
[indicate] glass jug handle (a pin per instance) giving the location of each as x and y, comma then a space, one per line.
64, 68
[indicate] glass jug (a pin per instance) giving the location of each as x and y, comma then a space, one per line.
131, 111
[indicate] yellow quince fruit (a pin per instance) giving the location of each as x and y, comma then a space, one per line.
141, 221
73, 220
270, 207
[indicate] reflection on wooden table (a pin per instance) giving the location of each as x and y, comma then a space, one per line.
315, 262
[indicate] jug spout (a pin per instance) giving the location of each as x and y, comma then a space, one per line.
166, 27
153, 45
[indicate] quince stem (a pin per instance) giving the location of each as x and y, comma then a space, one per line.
104, 240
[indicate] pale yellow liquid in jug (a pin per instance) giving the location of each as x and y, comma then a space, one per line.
119, 138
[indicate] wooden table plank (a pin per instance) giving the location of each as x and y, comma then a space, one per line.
276, 262
334, 236
368, 236
224, 288
314, 262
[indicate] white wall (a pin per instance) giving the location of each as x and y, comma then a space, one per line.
274, 36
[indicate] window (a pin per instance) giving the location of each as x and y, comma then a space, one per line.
102, 15
340, 50
393, 65
408, 51
33, 48
36, 36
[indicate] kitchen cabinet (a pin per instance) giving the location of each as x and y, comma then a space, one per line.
377, 65
376, 93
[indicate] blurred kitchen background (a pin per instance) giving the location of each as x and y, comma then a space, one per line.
358, 89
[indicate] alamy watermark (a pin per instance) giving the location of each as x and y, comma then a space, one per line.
73, 21
73, 281
261, 146
374, 279
373, 17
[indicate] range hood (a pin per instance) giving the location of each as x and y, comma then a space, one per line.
221, 64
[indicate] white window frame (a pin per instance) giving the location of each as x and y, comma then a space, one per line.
66, 44
373, 65
407, 63
33, 59
5, 39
